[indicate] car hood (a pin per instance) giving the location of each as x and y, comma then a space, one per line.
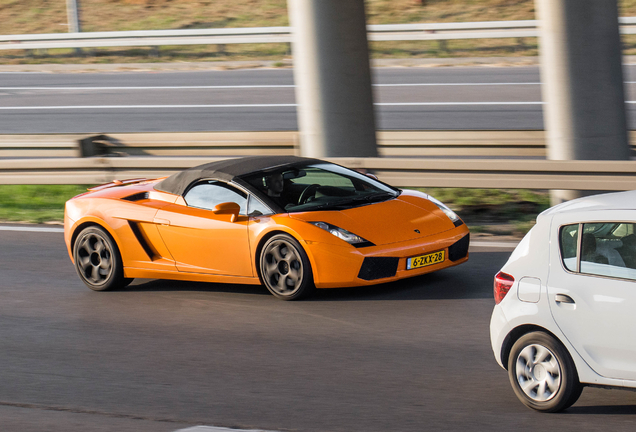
391, 221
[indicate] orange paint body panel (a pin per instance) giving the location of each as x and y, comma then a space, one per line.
160, 237
203, 242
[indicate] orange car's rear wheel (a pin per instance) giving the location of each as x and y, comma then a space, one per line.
98, 261
285, 268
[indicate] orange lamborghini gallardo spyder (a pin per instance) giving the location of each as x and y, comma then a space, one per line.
292, 224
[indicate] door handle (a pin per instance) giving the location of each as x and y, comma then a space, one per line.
562, 298
161, 221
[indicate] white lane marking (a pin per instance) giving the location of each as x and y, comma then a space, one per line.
454, 103
72, 107
456, 84
494, 244
31, 229
263, 86
217, 429
20, 73
210, 87
282, 105
255, 86
266, 86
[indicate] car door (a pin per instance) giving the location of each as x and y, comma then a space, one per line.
202, 241
592, 289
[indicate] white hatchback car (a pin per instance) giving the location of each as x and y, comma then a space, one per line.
565, 314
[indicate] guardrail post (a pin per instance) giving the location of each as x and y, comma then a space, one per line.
521, 42
443, 46
581, 68
333, 78
73, 16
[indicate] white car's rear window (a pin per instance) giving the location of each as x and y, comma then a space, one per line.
603, 249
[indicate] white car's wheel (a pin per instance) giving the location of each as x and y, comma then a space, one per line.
542, 373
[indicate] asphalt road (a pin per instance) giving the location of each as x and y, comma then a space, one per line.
250, 100
160, 356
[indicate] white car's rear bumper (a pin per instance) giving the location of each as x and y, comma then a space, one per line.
499, 329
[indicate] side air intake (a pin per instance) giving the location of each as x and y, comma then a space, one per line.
378, 268
137, 197
143, 241
460, 249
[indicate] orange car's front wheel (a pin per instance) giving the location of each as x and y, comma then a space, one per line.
97, 260
285, 268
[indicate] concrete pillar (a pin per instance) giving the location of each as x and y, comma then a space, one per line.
333, 78
581, 71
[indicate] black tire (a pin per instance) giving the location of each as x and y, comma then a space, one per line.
542, 373
285, 269
98, 261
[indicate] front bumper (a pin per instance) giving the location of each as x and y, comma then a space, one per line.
345, 266
68, 226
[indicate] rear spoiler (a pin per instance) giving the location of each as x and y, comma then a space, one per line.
116, 183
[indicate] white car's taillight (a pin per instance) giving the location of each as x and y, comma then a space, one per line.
503, 283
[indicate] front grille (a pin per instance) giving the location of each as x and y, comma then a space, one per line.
460, 249
378, 268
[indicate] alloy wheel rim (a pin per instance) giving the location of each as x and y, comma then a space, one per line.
94, 259
538, 372
282, 267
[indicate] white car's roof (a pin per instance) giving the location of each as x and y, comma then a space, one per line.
609, 201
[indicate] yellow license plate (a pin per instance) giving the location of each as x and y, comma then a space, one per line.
425, 260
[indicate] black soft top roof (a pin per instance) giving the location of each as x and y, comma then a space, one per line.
227, 170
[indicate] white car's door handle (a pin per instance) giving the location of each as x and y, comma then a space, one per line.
562, 298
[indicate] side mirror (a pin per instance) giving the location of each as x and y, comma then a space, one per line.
230, 208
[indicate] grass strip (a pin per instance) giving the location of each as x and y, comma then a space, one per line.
35, 203
494, 211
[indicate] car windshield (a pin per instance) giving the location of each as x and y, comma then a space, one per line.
322, 186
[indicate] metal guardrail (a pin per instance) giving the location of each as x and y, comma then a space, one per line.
411, 172
512, 144
390, 144
410, 158
258, 35
153, 144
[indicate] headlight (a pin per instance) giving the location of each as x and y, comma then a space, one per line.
448, 212
343, 234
